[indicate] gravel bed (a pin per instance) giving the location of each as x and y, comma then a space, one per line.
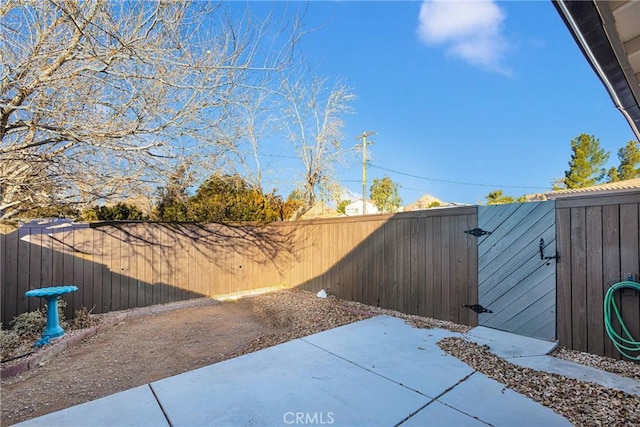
302, 314
583, 403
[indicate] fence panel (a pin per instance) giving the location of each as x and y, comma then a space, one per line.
416, 262
598, 241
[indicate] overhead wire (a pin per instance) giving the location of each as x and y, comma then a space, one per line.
455, 182
373, 165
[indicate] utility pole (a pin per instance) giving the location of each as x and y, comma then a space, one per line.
364, 168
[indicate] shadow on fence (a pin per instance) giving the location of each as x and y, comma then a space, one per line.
118, 266
416, 263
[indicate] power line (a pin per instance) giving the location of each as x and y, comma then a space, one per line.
455, 182
420, 177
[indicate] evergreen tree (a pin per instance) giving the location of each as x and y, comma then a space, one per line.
629, 168
118, 212
587, 161
498, 197
384, 193
229, 198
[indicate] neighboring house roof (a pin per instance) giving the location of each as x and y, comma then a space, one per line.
608, 33
355, 208
320, 210
618, 186
424, 202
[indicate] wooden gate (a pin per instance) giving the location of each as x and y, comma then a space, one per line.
517, 268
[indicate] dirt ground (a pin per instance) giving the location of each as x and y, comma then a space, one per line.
157, 342
146, 347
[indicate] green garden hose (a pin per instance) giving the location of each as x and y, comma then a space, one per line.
624, 343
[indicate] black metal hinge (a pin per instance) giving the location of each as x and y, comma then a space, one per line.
478, 308
477, 232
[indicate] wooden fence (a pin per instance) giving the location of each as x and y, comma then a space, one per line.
418, 263
415, 262
598, 241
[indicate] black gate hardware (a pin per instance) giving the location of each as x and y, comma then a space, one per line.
477, 232
478, 308
556, 256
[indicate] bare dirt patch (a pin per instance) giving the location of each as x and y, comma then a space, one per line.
151, 344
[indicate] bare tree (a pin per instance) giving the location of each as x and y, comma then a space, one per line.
314, 109
98, 99
255, 119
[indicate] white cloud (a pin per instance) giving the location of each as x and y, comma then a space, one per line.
471, 30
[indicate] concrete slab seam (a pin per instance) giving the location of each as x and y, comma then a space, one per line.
365, 368
155, 396
465, 413
454, 386
415, 412
436, 399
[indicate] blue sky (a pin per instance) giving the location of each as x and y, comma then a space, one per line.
472, 97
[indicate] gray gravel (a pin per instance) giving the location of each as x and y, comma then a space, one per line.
583, 403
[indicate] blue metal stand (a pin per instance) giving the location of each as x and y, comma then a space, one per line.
53, 328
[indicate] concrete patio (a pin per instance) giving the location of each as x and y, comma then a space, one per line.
376, 372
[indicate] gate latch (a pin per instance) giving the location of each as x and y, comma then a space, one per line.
556, 256
477, 232
478, 308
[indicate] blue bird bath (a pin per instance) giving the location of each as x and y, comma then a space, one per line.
51, 294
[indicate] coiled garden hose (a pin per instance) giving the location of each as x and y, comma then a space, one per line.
626, 343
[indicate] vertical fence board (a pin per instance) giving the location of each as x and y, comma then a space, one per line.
76, 267
437, 269
414, 287
172, 261
24, 269
63, 268
595, 308
578, 279
630, 265
457, 279
472, 268
132, 273
86, 281
98, 274
10, 277
36, 276
611, 264
107, 255
60, 249
427, 261
446, 258
563, 277
118, 265
378, 269
404, 284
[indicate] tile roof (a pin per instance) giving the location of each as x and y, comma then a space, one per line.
628, 184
